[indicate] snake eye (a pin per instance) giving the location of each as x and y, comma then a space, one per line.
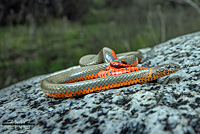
168, 66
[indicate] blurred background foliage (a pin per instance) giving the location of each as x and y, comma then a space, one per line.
42, 36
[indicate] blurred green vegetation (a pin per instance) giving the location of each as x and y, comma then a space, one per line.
32, 49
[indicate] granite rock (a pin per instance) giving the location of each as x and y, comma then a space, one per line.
169, 105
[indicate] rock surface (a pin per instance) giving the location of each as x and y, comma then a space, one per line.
169, 105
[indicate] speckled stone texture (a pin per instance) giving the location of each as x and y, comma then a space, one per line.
169, 105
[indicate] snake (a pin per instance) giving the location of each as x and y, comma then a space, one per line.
83, 80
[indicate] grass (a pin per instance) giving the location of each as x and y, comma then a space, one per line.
30, 50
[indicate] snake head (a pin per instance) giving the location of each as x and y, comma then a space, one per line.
165, 69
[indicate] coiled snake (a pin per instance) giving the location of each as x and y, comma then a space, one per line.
84, 80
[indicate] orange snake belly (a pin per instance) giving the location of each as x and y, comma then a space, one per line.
82, 80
